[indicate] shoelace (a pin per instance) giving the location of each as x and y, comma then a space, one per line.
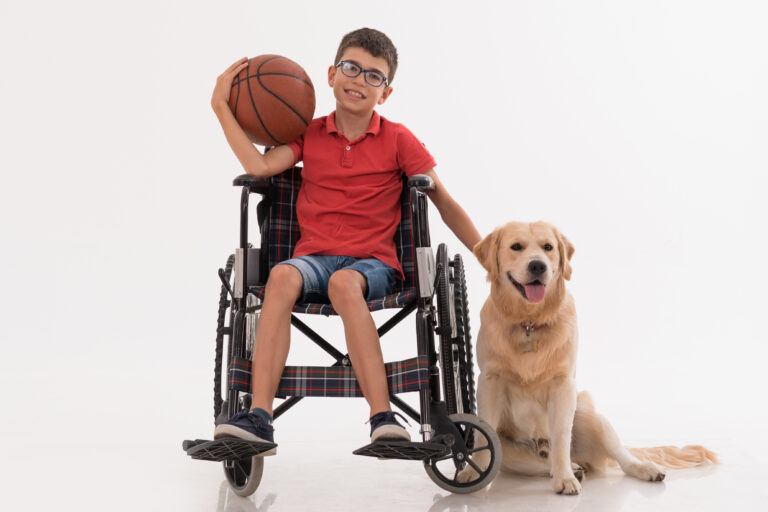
386, 416
252, 419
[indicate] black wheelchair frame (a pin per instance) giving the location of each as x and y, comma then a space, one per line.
448, 424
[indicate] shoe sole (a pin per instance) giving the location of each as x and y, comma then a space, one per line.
225, 430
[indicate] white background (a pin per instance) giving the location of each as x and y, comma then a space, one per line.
638, 128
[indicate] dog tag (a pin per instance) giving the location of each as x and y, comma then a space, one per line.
528, 346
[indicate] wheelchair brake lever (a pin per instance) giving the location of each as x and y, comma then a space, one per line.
225, 282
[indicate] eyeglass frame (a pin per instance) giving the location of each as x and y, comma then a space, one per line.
364, 71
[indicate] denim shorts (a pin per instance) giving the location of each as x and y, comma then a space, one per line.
316, 270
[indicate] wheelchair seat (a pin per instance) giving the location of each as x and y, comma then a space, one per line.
280, 232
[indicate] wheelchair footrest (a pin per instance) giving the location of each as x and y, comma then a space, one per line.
226, 448
405, 450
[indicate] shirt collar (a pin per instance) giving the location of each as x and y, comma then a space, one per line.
373, 127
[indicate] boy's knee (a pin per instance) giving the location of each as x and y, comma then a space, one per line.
346, 286
284, 281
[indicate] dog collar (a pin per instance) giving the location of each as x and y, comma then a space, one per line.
530, 327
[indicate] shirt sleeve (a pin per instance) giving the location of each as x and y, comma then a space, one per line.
412, 155
297, 146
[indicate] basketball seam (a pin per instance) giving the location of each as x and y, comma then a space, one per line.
253, 104
258, 77
278, 74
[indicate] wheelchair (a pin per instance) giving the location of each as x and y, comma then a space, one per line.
441, 373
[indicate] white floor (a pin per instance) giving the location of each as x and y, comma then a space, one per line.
324, 475
328, 477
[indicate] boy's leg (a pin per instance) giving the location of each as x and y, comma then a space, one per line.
347, 290
284, 287
271, 345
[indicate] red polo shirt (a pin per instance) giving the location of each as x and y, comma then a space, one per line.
349, 201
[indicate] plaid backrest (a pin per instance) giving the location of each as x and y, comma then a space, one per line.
283, 228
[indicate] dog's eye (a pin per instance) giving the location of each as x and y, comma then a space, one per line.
516, 247
548, 247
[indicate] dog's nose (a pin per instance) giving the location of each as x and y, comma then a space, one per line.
537, 267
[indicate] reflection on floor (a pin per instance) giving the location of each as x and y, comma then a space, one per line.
350, 483
325, 476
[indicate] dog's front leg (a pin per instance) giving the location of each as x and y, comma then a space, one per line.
561, 407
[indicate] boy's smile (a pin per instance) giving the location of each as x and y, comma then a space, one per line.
355, 95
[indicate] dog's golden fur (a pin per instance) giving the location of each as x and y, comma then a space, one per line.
526, 351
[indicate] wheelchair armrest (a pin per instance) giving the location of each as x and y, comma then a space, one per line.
254, 183
421, 182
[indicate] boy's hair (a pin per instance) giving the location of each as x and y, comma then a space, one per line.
374, 42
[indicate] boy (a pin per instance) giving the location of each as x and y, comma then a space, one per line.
348, 209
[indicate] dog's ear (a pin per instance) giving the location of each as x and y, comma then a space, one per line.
566, 249
485, 252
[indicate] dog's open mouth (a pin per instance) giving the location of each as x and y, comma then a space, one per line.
533, 291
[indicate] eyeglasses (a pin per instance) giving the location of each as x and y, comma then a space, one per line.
352, 70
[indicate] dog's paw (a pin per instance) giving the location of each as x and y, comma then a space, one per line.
646, 471
468, 474
566, 485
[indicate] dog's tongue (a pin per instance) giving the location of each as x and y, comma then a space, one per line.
535, 292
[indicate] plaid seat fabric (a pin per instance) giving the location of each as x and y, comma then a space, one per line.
334, 381
280, 231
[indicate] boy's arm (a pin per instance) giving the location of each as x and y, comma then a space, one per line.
452, 214
273, 162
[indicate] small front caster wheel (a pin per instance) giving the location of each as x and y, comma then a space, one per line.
244, 476
465, 472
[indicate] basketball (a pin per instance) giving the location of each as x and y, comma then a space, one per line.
273, 100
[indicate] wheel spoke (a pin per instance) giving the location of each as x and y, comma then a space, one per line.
474, 466
475, 450
449, 456
456, 474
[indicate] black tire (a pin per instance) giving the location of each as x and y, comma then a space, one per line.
448, 471
464, 338
244, 476
444, 329
221, 330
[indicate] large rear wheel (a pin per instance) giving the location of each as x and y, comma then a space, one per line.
456, 362
463, 339
223, 329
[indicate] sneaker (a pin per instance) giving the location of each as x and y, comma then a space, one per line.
248, 426
385, 427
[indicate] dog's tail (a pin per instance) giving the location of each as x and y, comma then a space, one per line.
674, 457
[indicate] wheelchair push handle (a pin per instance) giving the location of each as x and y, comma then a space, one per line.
254, 183
421, 182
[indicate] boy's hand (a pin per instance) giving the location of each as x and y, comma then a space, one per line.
223, 87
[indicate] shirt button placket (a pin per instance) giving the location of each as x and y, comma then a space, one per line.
346, 158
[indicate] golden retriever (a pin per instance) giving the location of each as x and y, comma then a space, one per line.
526, 350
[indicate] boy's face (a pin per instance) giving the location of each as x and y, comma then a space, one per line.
355, 94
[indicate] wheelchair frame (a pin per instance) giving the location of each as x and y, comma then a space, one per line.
448, 427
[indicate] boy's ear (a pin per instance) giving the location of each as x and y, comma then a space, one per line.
385, 95
485, 252
331, 75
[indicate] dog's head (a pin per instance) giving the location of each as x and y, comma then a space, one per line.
527, 262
